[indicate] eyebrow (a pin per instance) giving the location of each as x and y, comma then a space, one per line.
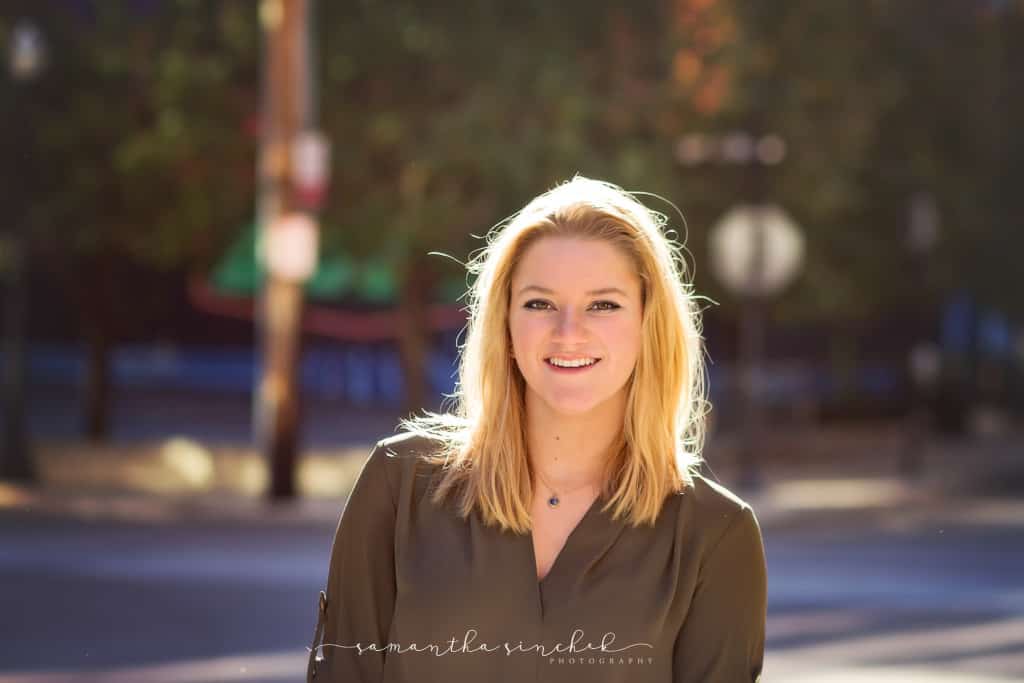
593, 292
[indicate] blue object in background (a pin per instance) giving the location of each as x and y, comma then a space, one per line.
995, 340
388, 371
359, 373
957, 324
371, 375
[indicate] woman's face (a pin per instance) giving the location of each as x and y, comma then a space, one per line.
575, 299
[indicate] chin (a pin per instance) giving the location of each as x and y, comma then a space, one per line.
574, 406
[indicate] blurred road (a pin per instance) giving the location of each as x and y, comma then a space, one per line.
939, 599
154, 558
932, 595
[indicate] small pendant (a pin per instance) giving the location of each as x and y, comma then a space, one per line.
553, 502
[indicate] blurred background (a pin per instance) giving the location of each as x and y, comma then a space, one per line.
230, 261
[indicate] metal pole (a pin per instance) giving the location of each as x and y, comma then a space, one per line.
752, 332
751, 354
28, 58
17, 461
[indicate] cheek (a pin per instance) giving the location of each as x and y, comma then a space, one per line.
624, 336
523, 331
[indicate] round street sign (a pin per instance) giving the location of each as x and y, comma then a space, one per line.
735, 242
290, 247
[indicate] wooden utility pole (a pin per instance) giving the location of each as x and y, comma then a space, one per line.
288, 232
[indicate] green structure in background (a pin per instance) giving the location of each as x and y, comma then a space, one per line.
338, 276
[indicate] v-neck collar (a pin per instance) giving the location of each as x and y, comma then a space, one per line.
594, 505
584, 545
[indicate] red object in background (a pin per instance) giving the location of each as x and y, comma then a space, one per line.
252, 126
334, 323
310, 198
310, 169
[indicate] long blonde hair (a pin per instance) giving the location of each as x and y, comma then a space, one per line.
482, 441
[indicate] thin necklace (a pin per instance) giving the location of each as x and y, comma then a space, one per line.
555, 499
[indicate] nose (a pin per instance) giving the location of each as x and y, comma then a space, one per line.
569, 327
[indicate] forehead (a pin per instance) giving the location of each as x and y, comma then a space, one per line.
571, 264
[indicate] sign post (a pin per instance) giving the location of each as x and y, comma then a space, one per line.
756, 250
292, 184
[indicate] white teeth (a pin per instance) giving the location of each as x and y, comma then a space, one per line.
572, 363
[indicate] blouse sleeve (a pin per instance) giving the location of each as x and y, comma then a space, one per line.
357, 606
722, 638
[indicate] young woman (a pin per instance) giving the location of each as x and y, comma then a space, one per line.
553, 527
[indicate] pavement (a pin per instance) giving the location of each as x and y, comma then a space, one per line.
877, 575
807, 475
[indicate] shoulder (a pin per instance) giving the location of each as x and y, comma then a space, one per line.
399, 457
713, 511
407, 445
713, 499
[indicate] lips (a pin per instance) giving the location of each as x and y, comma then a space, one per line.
551, 365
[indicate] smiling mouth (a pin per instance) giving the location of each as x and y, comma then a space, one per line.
571, 368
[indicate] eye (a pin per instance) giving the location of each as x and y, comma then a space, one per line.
611, 305
598, 305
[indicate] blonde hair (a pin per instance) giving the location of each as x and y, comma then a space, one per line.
483, 441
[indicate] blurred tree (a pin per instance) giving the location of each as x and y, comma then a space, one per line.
445, 117
448, 116
143, 151
878, 102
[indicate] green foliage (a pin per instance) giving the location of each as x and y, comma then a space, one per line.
139, 133
447, 117
878, 101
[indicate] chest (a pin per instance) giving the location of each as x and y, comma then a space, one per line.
456, 576
551, 529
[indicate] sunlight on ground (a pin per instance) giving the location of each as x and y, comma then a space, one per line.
880, 675
183, 466
14, 496
837, 493
934, 654
189, 460
326, 476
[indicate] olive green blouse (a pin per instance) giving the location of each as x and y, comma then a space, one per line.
417, 594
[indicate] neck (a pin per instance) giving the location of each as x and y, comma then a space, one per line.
572, 450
